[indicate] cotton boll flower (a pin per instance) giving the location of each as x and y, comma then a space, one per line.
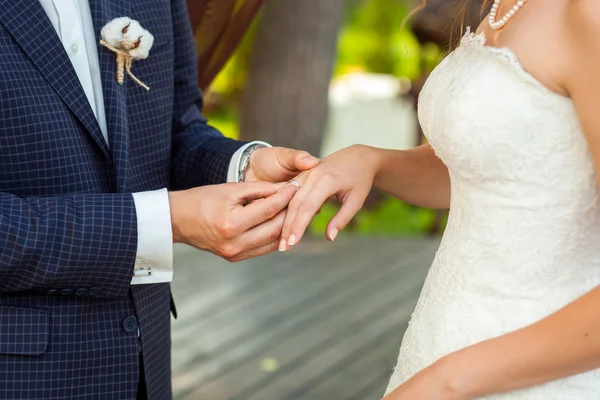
112, 33
132, 34
137, 40
143, 49
129, 41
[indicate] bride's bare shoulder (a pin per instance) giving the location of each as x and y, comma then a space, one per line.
582, 33
583, 19
583, 81
588, 6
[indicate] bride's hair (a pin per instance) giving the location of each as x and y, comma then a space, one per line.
461, 15
463, 10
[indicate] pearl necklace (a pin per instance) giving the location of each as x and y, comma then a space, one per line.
496, 25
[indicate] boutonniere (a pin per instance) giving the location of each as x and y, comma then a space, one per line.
129, 41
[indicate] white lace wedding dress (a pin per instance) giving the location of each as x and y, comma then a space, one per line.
523, 237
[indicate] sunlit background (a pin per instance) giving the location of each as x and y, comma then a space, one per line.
370, 100
326, 320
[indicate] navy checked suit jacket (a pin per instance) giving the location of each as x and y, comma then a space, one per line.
68, 230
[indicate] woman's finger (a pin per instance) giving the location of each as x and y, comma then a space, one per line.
310, 205
292, 209
350, 207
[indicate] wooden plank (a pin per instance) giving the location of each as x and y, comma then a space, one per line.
342, 344
374, 389
274, 304
357, 379
336, 353
247, 307
204, 283
307, 309
363, 374
316, 327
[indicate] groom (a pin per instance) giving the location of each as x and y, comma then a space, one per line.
97, 180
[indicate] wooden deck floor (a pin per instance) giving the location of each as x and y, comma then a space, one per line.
323, 322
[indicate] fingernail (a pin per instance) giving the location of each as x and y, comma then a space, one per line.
309, 159
292, 240
333, 234
282, 245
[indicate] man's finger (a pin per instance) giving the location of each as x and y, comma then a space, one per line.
261, 211
296, 160
249, 191
262, 234
304, 161
257, 252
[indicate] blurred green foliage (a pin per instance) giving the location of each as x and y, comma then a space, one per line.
392, 217
225, 120
374, 38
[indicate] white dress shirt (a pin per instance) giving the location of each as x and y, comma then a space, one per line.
72, 20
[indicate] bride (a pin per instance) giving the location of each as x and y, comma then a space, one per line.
510, 309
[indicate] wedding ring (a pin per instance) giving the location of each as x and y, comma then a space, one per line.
294, 182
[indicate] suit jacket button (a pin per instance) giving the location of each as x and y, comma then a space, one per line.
53, 291
66, 292
81, 292
130, 324
95, 291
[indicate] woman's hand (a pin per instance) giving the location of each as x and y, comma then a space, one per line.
429, 384
347, 174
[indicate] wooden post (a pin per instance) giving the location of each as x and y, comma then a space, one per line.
219, 26
285, 102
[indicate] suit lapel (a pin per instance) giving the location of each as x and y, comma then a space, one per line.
30, 27
115, 96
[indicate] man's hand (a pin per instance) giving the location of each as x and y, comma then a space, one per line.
278, 164
236, 221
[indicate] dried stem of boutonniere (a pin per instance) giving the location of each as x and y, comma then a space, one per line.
129, 41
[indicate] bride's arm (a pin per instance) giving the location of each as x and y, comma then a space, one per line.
416, 176
567, 342
564, 344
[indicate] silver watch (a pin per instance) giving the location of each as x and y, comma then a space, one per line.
245, 160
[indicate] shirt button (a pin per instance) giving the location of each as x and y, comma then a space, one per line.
95, 291
74, 48
81, 292
66, 292
130, 324
53, 291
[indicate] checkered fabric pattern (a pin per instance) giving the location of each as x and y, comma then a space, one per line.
69, 319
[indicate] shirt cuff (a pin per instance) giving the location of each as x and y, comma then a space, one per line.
236, 159
154, 260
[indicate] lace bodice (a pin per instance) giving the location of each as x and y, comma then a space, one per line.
523, 237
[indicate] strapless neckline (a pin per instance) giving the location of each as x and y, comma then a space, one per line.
478, 41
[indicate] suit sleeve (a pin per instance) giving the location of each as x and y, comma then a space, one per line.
68, 242
201, 154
